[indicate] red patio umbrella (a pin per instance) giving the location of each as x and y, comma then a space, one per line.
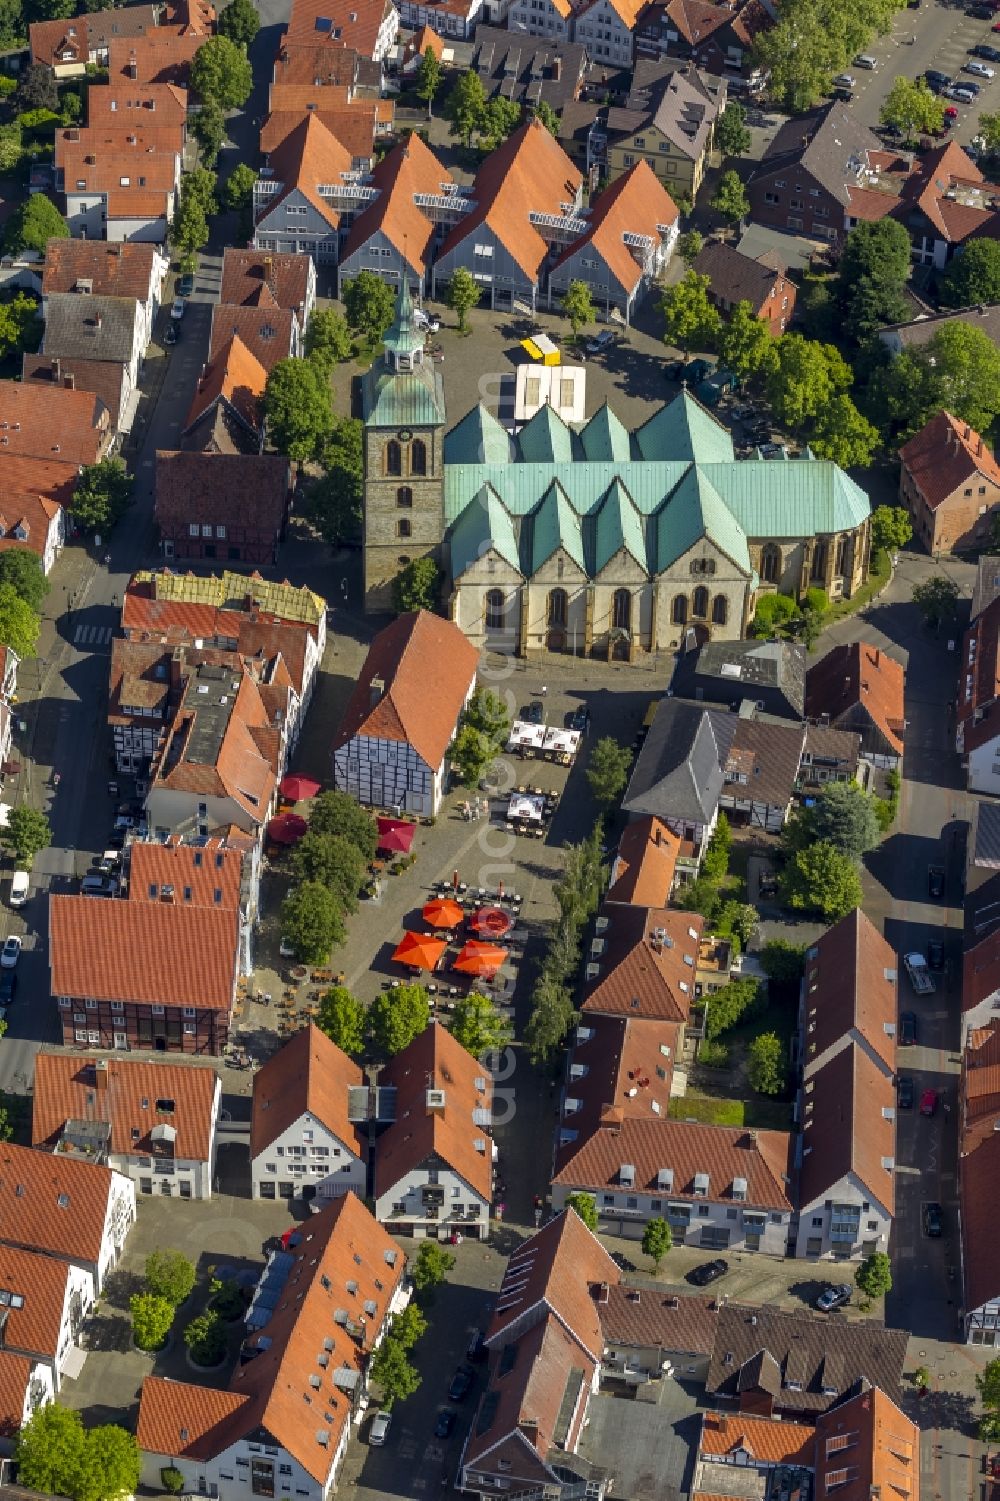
491, 922
395, 835
480, 959
443, 913
298, 789
287, 828
418, 952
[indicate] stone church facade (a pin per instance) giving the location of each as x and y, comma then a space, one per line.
599, 541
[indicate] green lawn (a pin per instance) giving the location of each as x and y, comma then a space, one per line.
877, 578
756, 1114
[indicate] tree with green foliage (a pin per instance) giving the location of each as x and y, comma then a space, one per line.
238, 191
312, 921
466, 105
912, 109
775, 615
397, 1016
392, 1372
585, 1205
820, 879
111, 1464
657, 1240
804, 379
205, 1337
152, 1317
209, 129
335, 812
199, 186
430, 1269
408, 1326
463, 294
55, 1453
333, 502
874, 1276
370, 304
958, 369
298, 408
872, 275
745, 342
31, 226
19, 623
500, 118
737, 920
891, 528
479, 1026
801, 54
988, 1386
782, 962
328, 339
766, 1064
578, 305
690, 320
239, 22
544, 112
552, 1015
841, 815
973, 276
483, 730
607, 771
732, 137
690, 244
730, 198
102, 496
344, 1019
189, 231
36, 89
333, 861
937, 599
19, 324
220, 70
579, 889
417, 586
169, 1275
730, 1005
22, 570
11, 145
430, 77
715, 861
843, 435
26, 832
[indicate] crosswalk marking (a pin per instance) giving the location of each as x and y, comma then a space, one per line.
92, 635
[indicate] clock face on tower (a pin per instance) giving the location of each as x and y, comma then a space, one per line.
404, 436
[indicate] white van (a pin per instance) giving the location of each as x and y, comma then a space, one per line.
19, 888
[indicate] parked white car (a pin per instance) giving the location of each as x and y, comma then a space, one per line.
11, 952
981, 70
844, 81
19, 888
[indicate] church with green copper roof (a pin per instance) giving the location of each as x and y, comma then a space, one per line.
599, 539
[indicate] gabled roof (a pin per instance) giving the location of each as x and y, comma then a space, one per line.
642, 872
867, 1447
545, 438
410, 169
354, 125
308, 156
767, 752
736, 277
160, 600
979, 1167
605, 437
948, 188
678, 774
238, 490
86, 33
158, 57
337, 23
672, 97
93, 328
729, 671
119, 104
308, 1075
825, 142
552, 1272
981, 971
26, 521
455, 1135
697, 510
850, 990
237, 379
16, 1372
684, 429
426, 667
859, 673
647, 965
251, 276
119, 270
204, 875
104, 379
767, 1440
51, 1203
51, 422
529, 173
619, 528
555, 525
34, 1328
267, 332
946, 455
849, 1127
479, 438
130, 1095
635, 203
640, 1314
338, 1276
612, 1073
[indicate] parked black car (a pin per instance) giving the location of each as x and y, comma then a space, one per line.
935, 954
709, 1271
904, 1093
533, 713
933, 1219
579, 720
907, 1029
461, 1384
445, 1422
935, 882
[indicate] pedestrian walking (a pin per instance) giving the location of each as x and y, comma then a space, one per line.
543, 690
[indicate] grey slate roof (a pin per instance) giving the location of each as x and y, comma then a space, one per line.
922, 330
678, 775
526, 68
676, 98
756, 664
814, 1352
735, 277
91, 328
826, 142
987, 838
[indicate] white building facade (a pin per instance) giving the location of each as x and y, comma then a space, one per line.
307, 1160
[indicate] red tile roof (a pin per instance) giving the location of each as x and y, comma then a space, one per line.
529, 173
267, 332
555, 1270
349, 23
121, 103
434, 1060
767, 1440
307, 62
257, 278
308, 156
146, 952
125, 1092
945, 456
409, 169
219, 605
345, 1268
427, 667
237, 758
763, 1158
981, 971
41, 1280
15, 1376
859, 673
866, 1447
641, 1314
310, 1073
102, 378
49, 477
353, 125
845, 1128
848, 990
644, 969
939, 172
81, 35
627, 1065
50, 422
26, 520
52, 1203
159, 58
120, 270
236, 378
642, 872
204, 876
239, 490
635, 203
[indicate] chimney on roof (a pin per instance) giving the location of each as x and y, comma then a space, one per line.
376, 689
877, 656
56, 369
101, 1074
133, 67
659, 836
98, 320
557, 69
69, 381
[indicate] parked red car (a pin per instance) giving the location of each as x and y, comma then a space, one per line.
928, 1102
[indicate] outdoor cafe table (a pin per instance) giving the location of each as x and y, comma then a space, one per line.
523, 734
526, 806
561, 742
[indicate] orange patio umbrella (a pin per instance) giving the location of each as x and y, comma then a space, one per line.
418, 952
480, 959
443, 913
491, 922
